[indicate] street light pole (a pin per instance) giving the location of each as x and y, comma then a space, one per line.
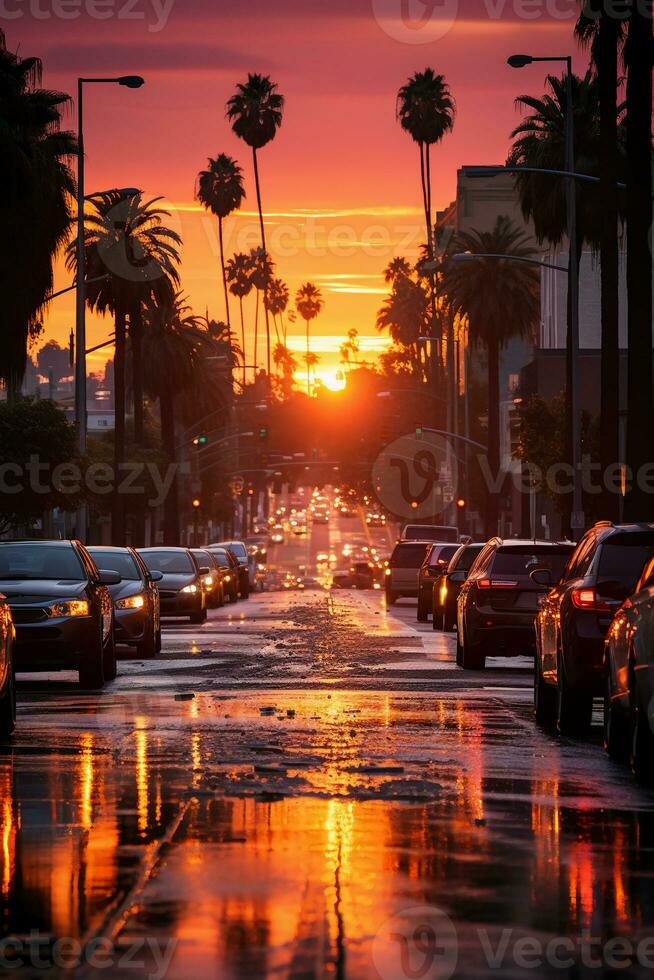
520, 61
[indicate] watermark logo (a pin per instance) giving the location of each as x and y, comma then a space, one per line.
418, 943
416, 475
154, 14
416, 21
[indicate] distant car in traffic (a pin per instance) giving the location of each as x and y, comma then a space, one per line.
61, 607
229, 570
247, 566
432, 569
448, 586
135, 598
500, 597
442, 533
629, 679
375, 519
574, 619
403, 567
7, 675
277, 534
212, 583
180, 588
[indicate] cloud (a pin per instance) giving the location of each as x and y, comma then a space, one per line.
147, 56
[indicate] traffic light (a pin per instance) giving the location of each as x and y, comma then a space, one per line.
418, 430
263, 433
200, 440
197, 503
461, 503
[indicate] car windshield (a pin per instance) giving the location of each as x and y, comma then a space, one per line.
239, 550
116, 561
441, 554
622, 560
40, 561
221, 559
203, 558
169, 562
524, 560
409, 555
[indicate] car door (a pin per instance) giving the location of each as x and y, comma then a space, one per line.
553, 605
6, 633
477, 570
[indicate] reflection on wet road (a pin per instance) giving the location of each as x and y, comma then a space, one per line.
307, 786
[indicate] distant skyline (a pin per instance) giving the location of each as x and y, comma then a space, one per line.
340, 183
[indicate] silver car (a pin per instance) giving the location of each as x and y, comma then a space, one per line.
403, 569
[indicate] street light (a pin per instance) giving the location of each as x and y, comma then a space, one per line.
521, 61
474, 256
127, 81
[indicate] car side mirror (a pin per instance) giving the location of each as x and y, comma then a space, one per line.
205, 571
108, 577
156, 576
541, 576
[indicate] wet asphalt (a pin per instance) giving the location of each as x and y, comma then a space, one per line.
307, 786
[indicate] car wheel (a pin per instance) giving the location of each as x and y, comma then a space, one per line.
423, 611
437, 620
459, 651
472, 658
641, 742
158, 641
574, 708
544, 698
199, 617
148, 647
91, 668
616, 727
233, 596
391, 599
110, 664
8, 707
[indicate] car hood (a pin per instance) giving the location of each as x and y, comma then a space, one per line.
170, 581
125, 589
39, 590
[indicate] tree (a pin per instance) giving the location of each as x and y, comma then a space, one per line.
126, 242
255, 112
261, 268
309, 303
285, 360
311, 360
350, 348
36, 192
426, 111
599, 27
176, 346
276, 299
397, 268
238, 270
220, 190
638, 59
405, 314
52, 359
501, 300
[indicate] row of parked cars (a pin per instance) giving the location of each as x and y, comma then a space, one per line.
585, 611
64, 606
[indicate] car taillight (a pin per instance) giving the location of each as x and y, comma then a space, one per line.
589, 600
496, 583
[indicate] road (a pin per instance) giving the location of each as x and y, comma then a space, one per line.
307, 786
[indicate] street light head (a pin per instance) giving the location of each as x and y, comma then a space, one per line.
464, 257
131, 81
519, 60
476, 173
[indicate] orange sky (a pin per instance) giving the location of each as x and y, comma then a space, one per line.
340, 183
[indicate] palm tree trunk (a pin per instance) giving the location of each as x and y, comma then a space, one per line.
136, 341
492, 500
171, 503
256, 334
308, 366
240, 300
432, 275
566, 509
224, 271
118, 514
638, 56
265, 253
609, 254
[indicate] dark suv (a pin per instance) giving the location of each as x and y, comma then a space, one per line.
500, 597
575, 616
448, 586
432, 569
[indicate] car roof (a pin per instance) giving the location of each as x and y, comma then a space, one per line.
108, 548
162, 547
529, 542
54, 543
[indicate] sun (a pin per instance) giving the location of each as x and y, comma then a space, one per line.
332, 379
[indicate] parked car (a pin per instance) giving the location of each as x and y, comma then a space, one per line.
431, 532
574, 619
61, 608
135, 598
213, 582
229, 569
499, 599
7, 678
247, 567
629, 679
432, 569
403, 568
180, 589
448, 586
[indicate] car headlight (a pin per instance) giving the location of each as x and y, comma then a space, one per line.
190, 588
208, 581
131, 602
227, 578
388, 571
65, 610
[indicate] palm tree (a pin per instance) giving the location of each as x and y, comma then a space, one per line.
501, 300
602, 32
309, 303
255, 112
397, 268
286, 361
35, 199
238, 272
220, 190
638, 125
176, 346
276, 299
311, 360
405, 314
261, 269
